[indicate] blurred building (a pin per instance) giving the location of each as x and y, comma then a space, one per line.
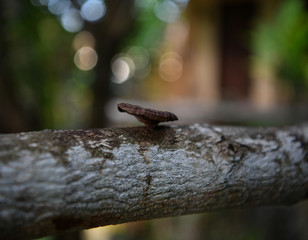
209, 57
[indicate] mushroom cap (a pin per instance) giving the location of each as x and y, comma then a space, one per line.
148, 116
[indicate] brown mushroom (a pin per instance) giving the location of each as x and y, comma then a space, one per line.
148, 116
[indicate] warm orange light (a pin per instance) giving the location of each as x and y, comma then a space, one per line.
83, 39
85, 58
171, 66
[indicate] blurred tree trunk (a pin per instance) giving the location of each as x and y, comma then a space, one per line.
11, 117
236, 24
109, 35
57, 181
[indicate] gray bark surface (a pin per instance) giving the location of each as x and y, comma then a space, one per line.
55, 181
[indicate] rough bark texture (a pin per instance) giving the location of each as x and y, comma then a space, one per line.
55, 181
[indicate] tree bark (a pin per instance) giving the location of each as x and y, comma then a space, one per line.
56, 181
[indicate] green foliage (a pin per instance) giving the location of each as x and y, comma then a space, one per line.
41, 66
39, 57
283, 44
148, 28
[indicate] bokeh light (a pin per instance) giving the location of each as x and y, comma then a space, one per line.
170, 66
85, 58
71, 20
83, 39
58, 7
182, 2
140, 56
167, 11
93, 10
44, 2
122, 68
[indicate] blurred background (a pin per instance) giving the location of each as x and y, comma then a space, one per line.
65, 64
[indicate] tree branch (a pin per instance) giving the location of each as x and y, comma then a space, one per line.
55, 181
